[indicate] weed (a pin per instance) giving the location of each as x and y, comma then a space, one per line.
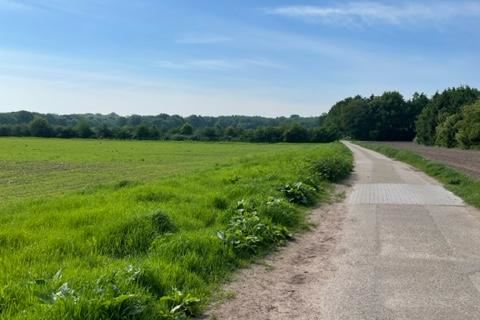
281, 212
247, 233
299, 193
332, 168
180, 306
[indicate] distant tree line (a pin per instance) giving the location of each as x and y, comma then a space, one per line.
164, 127
450, 118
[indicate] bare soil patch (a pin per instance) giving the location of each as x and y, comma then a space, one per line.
467, 161
284, 285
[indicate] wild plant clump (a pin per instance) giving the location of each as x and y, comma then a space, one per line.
333, 168
247, 232
299, 193
180, 306
281, 212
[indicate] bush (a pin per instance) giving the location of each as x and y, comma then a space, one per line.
332, 168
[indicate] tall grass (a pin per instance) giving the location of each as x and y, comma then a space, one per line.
154, 250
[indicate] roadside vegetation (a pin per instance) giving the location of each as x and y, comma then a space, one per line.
157, 249
466, 187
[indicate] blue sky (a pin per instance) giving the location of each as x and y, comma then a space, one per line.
267, 58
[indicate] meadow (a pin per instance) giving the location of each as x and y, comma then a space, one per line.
146, 230
36, 167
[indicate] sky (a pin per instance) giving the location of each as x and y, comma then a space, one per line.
268, 58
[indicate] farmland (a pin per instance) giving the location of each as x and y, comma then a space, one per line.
145, 230
31, 167
466, 161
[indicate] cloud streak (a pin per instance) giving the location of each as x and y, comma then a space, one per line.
205, 39
218, 64
375, 12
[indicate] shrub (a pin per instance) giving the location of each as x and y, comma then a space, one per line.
332, 168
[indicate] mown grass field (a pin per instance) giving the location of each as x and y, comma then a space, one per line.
35, 167
145, 230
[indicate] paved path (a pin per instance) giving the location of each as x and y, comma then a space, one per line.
399, 247
411, 248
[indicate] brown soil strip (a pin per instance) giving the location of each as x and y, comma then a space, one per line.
283, 285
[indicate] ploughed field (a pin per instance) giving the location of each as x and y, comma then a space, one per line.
145, 230
467, 161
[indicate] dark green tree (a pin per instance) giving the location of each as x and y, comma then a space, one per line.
296, 133
83, 130
186, 129
441, 106
39, 127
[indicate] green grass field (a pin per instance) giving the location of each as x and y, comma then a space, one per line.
142, 230
38, 167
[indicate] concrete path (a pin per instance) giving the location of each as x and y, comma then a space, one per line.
399, 247
410, 248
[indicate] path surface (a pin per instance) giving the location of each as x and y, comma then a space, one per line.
399, 247
467, 161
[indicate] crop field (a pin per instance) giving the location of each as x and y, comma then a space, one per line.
145, 230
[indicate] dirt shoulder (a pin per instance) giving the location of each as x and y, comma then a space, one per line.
283, 285
467, 161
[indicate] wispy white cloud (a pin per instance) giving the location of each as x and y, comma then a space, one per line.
219, 64
203, 39
89, 8
376, 12
14, 5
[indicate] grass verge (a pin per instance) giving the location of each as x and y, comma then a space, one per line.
465, 187
156, 250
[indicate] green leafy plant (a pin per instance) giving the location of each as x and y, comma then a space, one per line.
299, 193
247, 233
180, 306
333, 168
280, 212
